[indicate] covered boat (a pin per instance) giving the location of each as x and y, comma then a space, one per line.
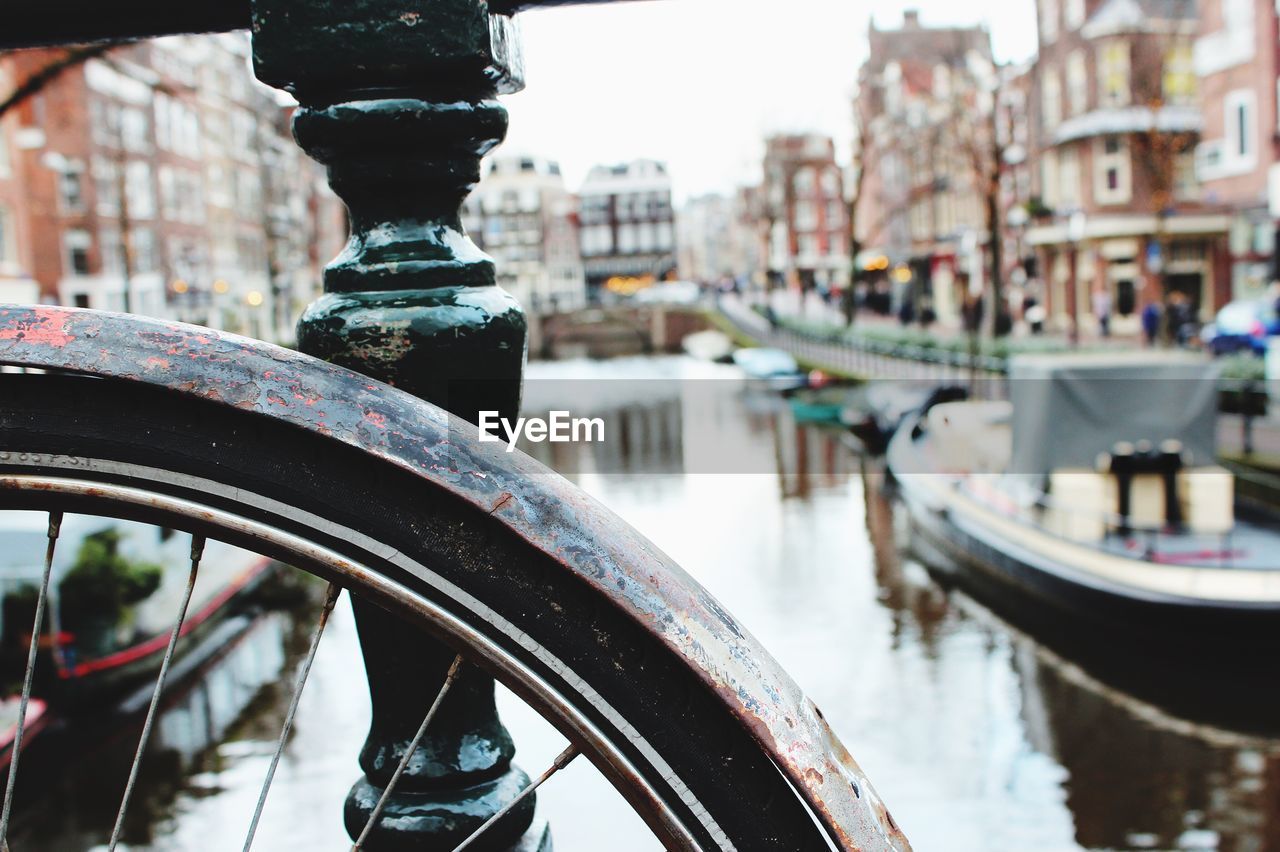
1089, 506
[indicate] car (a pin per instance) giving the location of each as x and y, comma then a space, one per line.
1241, 326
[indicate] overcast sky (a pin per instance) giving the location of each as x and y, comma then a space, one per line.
699, 83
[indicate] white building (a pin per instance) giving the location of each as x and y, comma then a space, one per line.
628, 227
522, 216
706, 239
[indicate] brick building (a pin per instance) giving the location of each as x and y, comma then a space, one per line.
161, 179
522, 216
803, 216
1236, 162
925, 110
1115, 127
16, 283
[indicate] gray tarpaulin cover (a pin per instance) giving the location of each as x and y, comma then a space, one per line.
1069, 408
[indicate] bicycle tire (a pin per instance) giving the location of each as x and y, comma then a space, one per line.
710, 781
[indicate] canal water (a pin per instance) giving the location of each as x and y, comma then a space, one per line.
979, 740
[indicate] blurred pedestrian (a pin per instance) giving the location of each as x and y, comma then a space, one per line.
1151, 322
1178, 320
971, 313
1102, 310
907, 311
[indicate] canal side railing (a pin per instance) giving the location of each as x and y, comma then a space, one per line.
985, 376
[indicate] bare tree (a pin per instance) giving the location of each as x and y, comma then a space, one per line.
863, 157
1158, 149
63, 61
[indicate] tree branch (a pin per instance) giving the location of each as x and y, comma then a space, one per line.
70, 58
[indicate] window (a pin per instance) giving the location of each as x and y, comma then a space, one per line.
665, 236
1113, 73
248, 191
135, 130
177, 126
142, 248
807, 245
1112, 171
626, 239
71, 187
1179, 75
1185, 185
831, 183
138, 191
76, 244
106, 186
1073, 14
244, 132
1049, 178
8, 245
1241, 146
110, 250
1051, 100
6, 168
1048, 20
1077, 83
806, 216
647, 238
181, 195
804, 181
1069, 178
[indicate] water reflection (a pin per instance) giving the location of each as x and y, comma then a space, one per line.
979, 739
73, 775
976, 736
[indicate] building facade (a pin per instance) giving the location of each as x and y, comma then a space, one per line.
627, 226
802, 205
522, 215
1237, 159
161, 179
714, 239
1117, 207
924, 110
16, 281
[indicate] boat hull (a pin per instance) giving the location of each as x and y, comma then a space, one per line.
85, 683
1192, 657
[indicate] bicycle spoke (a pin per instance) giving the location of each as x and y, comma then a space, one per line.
197, 550
562, 760
55, 526
449, 678
331, 598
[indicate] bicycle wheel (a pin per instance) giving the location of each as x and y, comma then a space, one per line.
366, 486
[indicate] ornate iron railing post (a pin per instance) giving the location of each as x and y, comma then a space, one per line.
397, 99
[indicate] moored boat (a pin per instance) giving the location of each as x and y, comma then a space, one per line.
9, 709
114, 594
774, 368
1095, 490
1090, 511
875, 413
708, 345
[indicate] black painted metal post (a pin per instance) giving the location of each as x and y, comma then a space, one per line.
397, 99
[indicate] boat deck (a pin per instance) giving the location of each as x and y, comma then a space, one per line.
1249, 545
